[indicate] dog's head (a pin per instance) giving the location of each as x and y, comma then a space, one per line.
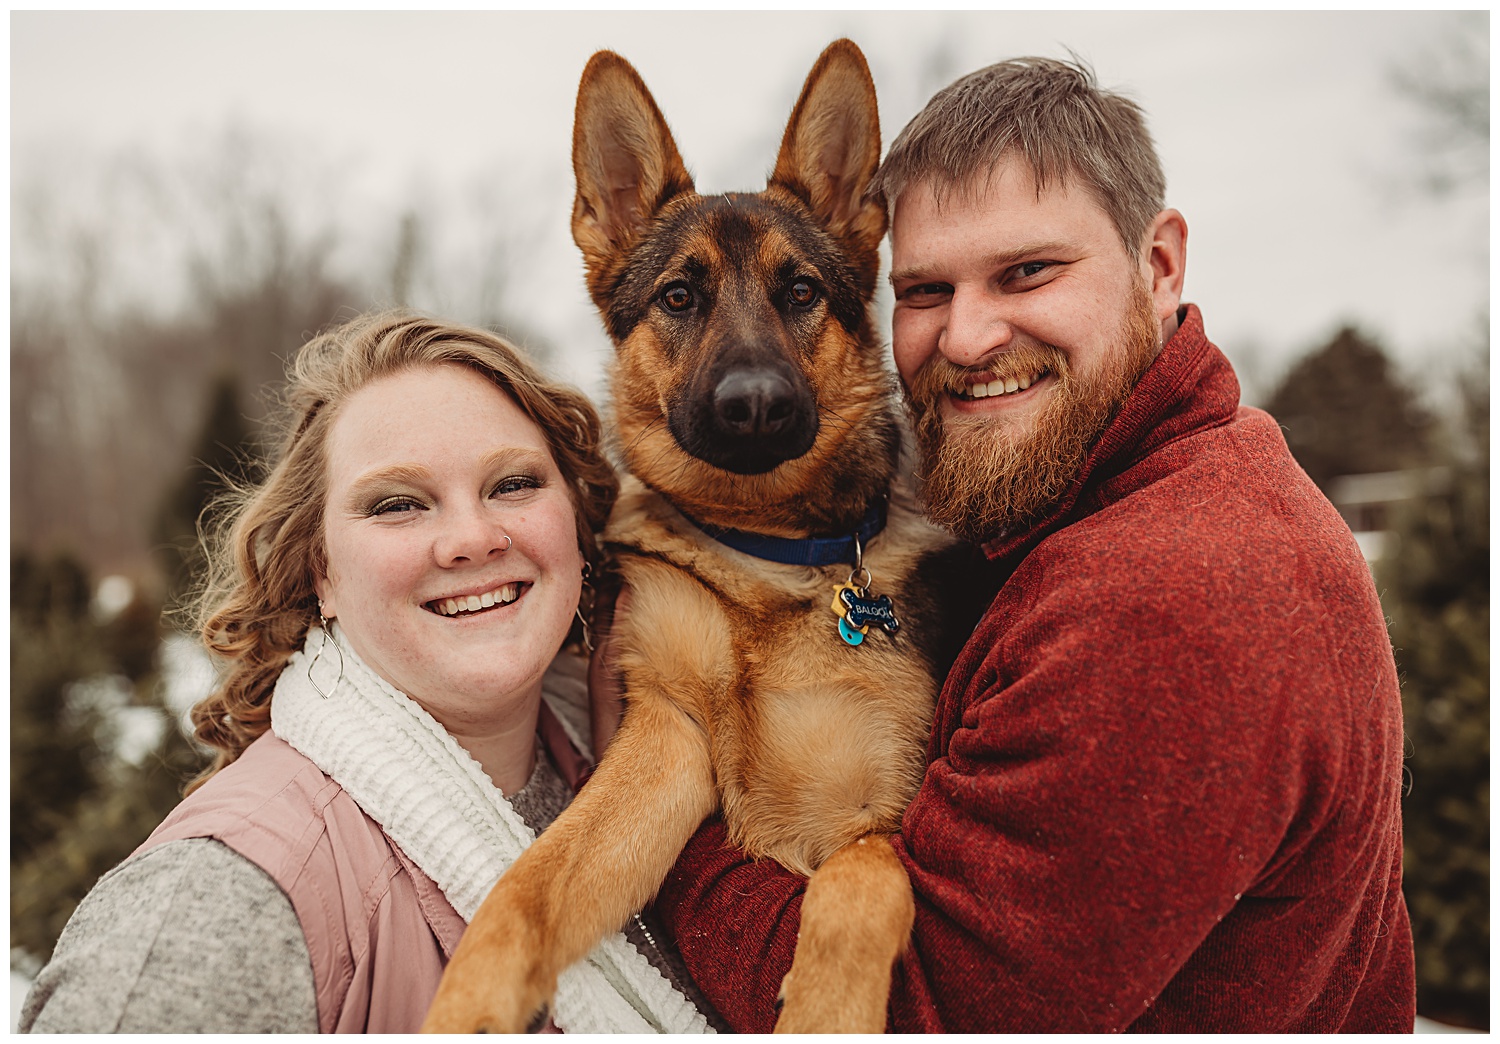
748, 374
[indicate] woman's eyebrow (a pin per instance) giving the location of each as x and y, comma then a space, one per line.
382, 479
385, 477
514, 456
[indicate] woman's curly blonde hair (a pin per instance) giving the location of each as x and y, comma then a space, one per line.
257, 600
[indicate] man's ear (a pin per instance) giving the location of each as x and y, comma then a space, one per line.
1164, 261
625, 162
830, 151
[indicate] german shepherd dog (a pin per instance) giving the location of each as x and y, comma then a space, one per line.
758, 421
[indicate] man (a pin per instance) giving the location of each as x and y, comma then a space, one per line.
1164, 774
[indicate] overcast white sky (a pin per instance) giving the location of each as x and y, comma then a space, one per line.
1284, 143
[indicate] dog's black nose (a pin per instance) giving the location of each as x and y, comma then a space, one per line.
749, 418
755, 403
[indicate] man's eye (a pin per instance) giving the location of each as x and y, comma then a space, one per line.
1030, 270
926, 293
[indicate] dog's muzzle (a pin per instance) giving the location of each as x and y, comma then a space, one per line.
753, 419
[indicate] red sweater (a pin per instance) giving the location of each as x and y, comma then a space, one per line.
1163, 789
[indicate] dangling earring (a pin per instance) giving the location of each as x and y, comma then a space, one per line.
327, 641
588, 641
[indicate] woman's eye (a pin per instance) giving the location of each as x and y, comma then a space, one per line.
802, 293
677, 298
395, 505
515, 484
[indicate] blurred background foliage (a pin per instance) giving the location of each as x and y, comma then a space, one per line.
81, 797
125, 415
1435, 586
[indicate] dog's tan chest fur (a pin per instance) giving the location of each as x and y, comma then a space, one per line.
841, 766
814, 742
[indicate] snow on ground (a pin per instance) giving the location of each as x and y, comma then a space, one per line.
19, 984
186, 670
1428, 1026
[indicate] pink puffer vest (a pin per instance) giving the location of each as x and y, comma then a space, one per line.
378, 930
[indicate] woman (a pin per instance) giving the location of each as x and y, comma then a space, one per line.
387, 602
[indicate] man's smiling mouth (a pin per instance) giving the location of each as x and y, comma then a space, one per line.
999, 386
467, 605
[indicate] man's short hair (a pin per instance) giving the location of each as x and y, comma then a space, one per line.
1051, 113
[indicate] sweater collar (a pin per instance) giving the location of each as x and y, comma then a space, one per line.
1189, 387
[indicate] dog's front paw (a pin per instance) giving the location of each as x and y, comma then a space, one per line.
479, 1001
445, 1017
813, 1003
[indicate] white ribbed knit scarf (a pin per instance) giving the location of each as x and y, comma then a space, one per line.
433, 799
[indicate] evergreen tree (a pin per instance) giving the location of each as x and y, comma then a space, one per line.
218, 451
52, 747
1345, 412
77, 809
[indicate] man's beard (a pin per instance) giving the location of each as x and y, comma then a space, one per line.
979, 479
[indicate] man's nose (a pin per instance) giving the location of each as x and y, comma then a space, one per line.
976, 327
470, 535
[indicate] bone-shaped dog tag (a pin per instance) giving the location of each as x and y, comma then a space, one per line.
861, 610
857, 611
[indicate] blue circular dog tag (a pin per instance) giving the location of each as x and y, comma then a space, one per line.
850, 634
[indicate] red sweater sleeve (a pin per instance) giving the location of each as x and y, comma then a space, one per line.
735, 920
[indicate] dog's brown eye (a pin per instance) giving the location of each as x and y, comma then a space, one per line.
677, 298
801, 293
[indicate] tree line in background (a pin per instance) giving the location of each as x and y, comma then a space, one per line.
124, 419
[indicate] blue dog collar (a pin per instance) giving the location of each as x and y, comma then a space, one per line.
811, 551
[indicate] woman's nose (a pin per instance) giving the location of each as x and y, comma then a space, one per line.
472, 535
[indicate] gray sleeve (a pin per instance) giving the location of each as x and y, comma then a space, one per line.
188, 937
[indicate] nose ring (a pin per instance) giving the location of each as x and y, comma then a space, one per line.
508, 543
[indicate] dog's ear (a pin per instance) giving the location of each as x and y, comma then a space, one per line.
624, 159
831, 149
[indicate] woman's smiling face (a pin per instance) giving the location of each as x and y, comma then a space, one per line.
453, 561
